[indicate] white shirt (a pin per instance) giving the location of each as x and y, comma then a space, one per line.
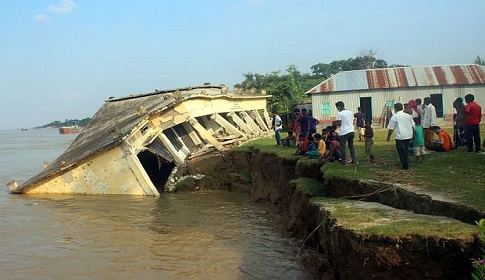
347, 118
429, 118
278, 124
402, 124
421, 110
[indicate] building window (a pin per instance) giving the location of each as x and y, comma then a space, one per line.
326, 108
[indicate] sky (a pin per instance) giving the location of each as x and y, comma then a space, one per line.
62, 59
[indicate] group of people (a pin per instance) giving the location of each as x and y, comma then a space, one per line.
414, 125
304, 124
329, 145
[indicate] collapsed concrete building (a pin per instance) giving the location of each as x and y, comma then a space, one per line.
137, 145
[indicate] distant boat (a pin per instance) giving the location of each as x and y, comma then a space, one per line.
69, 129
24, 129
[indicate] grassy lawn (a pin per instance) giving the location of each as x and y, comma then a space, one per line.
456, 175
374, 219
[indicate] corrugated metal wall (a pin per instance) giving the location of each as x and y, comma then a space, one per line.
379, 97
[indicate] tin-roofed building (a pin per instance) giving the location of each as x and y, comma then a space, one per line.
375, 90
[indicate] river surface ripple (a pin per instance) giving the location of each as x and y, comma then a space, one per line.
200, 235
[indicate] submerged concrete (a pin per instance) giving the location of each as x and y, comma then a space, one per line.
334, 248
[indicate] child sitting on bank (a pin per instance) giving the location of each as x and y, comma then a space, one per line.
334, 154
312, 144
443, 144
303, 145
290, 140
321, 148
319, 152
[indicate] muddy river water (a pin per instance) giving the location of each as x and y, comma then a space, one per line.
199, 235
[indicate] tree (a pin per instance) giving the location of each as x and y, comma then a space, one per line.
479, 61
285, 89
368, 57
289, 88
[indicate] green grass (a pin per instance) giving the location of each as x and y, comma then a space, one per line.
310, 186
457, 175
373, 219
244, 176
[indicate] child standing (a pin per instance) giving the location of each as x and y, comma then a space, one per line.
418, 139
368, 138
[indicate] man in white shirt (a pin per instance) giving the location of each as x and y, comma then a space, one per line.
345, 119
429, 120
277, 126
402, 124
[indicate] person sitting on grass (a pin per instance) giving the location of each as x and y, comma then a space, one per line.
334, 147
290, 140
443, 143
303, 145
321, 148
312, 144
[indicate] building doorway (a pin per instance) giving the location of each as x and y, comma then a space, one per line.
437, 101
366, 106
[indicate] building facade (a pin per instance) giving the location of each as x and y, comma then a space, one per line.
376, 90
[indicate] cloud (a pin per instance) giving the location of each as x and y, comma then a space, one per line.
40, 18
63, 7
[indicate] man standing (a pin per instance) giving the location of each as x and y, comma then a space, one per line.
277, 126
345, 119
473, 117
304, 122
429, 120
359, 122
420, 107
459, 123
402, 124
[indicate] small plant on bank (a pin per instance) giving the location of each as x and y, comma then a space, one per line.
245, 176
479, 264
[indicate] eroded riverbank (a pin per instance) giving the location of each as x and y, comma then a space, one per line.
393, 233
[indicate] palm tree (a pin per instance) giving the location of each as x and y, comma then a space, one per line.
479, 61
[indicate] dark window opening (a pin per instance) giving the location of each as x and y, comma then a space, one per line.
156, 168
366, 106
184, 135
173, 139
437, 101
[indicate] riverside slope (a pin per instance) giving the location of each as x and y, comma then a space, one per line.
342, 233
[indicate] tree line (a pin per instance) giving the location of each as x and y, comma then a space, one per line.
288, 88
67, 122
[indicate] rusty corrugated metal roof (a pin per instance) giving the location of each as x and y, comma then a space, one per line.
420, 76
